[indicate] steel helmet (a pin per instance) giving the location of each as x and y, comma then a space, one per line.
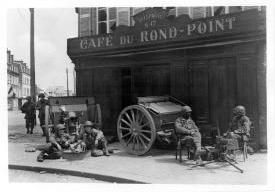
60, 127
239, 110
41, 95
88, 124
186, 109
28, 97
72, 114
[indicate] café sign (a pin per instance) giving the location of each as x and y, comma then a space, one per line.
154, 26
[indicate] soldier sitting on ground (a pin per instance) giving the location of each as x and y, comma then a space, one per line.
187, 127
94, 140
53, 150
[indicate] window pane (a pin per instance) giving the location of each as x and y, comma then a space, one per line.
183, 10
112, 25
198, 12
219, 11
102, 16
112, 13
233, 9
102, 28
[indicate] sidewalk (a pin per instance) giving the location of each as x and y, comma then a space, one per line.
159, 167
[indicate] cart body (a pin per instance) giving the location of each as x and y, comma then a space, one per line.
151, 118
84, 107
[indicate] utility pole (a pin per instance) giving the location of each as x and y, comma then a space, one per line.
67, 82
32, 60
74, 83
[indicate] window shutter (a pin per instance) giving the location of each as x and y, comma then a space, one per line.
123, 16
84, 22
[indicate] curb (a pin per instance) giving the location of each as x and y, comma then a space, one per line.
100, 177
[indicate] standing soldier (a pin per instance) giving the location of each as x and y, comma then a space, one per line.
187, 127
29, 109
94, 139
41, 104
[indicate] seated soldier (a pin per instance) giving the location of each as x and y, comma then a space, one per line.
57, 143
94, 139
187, 127
240, 125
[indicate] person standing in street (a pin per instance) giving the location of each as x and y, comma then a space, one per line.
30, 114
40, 106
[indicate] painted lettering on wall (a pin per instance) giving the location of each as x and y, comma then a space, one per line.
160, 33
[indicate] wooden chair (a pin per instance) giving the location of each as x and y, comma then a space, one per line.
187, 142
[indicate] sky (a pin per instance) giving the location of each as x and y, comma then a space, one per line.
53, 26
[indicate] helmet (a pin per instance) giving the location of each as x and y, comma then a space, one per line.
60, 127
41, 95
72, 114
88, 124
239, 110
29, 98
186, 109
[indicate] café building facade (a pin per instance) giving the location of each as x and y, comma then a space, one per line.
212, 64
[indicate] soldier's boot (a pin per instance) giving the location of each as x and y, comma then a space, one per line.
44, 132
28, 131
31, 132
40, 157
106, 152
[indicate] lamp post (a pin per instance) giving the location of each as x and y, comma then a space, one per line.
32, 59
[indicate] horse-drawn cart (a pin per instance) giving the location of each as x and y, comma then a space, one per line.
138, 126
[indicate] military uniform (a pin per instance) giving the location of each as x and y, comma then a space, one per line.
61, 141
30, 114
41, 104
94, 140
188, 127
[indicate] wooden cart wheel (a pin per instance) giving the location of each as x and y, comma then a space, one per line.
136, 129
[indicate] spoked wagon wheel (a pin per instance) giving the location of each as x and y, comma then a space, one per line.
136, 129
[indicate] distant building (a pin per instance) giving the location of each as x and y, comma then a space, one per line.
13, 82
18, 81
57, 91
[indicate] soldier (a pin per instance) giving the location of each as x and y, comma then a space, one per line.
41, 104
30, 114
187, 127
240, 125
57, 143
94, 139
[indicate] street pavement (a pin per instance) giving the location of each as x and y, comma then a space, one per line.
159, 166
18, 176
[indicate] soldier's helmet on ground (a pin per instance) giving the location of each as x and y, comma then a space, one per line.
41, 95
239, 110
186, 109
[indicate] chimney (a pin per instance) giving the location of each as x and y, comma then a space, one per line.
8, 56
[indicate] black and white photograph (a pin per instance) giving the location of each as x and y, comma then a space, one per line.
153, 94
